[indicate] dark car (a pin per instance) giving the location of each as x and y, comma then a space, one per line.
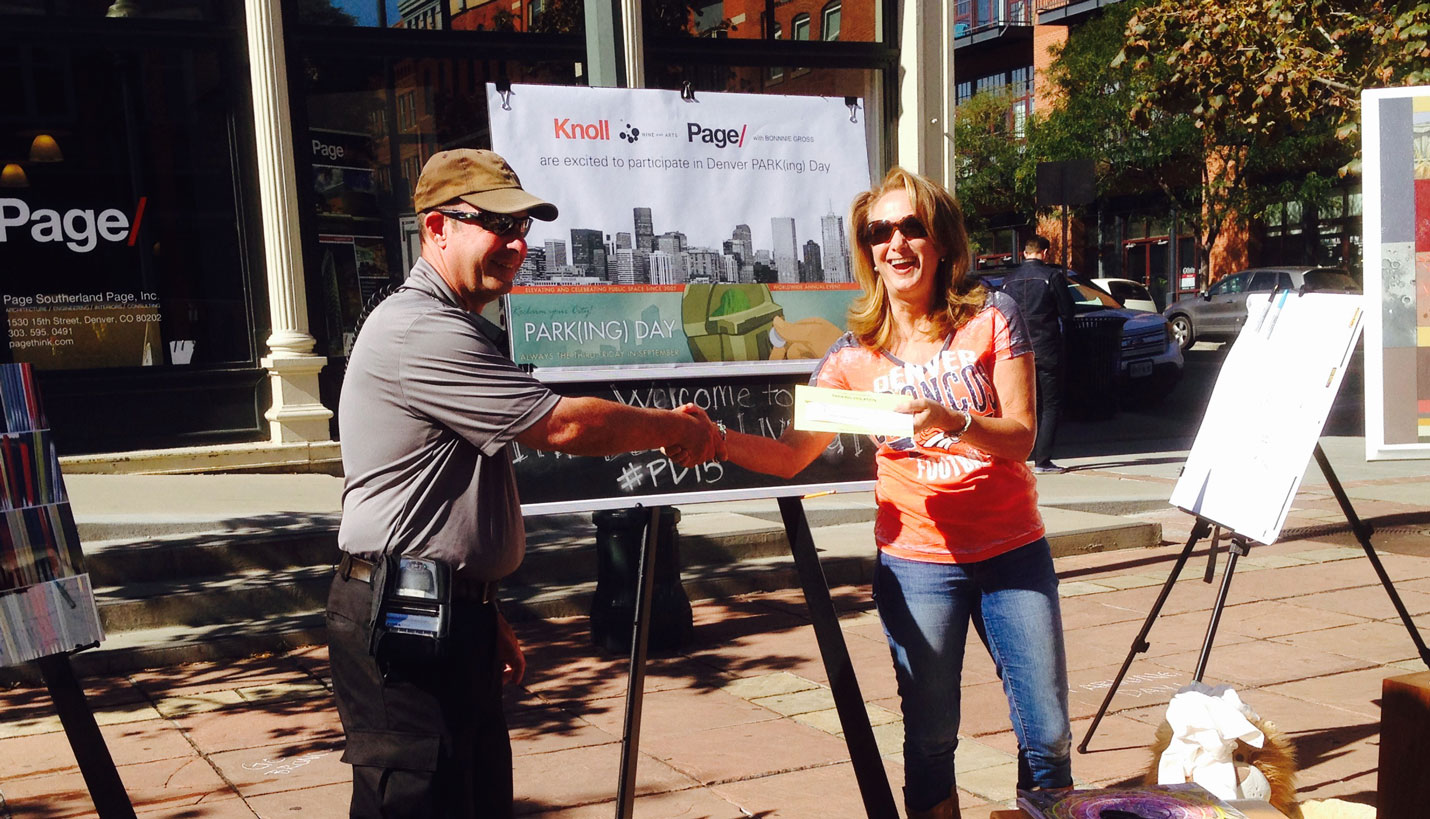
1147, 361
1218, 313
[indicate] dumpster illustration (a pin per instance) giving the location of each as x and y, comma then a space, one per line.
729, 322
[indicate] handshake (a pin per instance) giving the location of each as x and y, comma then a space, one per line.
700, 439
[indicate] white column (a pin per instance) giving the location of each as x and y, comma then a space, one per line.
927, 90
297, 414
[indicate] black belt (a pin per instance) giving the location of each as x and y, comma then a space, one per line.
352, 567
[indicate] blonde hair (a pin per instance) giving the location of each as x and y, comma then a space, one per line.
957, 295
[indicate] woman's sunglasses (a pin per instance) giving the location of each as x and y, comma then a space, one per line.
502, 224
878, 233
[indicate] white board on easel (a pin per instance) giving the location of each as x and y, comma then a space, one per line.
1271, 400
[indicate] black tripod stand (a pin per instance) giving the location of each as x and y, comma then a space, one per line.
1239, 548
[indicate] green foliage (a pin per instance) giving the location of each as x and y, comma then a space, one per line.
1259, 69
1092, 118
996, 173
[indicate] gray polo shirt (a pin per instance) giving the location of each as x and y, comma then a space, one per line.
428, 406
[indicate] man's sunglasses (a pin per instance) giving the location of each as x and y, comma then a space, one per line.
880, 232
502, 224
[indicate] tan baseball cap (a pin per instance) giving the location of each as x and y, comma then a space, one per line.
480, 178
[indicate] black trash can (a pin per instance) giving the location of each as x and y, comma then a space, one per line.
1094, 367
620, 534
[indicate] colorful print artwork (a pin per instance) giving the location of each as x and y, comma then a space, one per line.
46, 601
1396, 157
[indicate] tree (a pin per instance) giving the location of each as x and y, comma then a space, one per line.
995, 173
1270, 67
1273, 87
1092, 116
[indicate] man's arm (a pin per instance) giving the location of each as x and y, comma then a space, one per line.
593, 426
1062, 297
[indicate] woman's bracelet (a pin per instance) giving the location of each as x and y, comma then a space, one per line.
967, 422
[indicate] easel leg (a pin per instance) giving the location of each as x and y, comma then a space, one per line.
1362, 532
635, 686
858, 734
1139, 643
1238, 548
95, 764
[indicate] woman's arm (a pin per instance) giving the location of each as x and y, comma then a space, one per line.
1010, 436
783, 458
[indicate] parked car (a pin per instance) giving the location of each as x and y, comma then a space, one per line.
1149, 361
1218, 313
1133, 295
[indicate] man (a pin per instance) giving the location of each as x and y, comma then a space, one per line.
1042, 295
428, 406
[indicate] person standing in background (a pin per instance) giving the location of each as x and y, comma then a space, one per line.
1041, 292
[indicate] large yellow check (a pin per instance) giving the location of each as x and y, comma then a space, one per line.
820, 409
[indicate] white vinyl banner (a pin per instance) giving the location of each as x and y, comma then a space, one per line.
707, 231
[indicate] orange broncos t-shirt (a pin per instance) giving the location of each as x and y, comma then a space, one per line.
956, 504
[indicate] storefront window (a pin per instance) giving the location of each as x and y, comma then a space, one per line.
551, 16
122, 241
819, 82
372, 125
748, 19
113, 9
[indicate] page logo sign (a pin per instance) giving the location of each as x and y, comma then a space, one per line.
79, 229
719, 137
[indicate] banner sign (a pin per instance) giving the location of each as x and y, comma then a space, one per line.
704, 231
1395, 127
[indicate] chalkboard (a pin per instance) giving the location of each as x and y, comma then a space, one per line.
552, 482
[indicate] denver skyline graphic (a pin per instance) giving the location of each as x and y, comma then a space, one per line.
642, 256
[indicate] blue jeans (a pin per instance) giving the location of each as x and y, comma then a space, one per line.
1012, 601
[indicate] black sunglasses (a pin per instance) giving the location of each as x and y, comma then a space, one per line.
880, 232
502, 224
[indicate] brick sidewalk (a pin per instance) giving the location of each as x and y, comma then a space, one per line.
741, 722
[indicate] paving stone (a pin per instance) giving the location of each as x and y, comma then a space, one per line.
827, 720
743, 751
171, 707
323, 802
768, 685
889, 738
993, 783
283, 691
973, 755
828, 792
128, 743
1077, 588
692, 802
587, 775
256, 771
800, 702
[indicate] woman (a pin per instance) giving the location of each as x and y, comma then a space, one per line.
959, 535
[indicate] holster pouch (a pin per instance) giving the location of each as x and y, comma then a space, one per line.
411, 609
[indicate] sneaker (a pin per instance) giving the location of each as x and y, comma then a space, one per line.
1048, 468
